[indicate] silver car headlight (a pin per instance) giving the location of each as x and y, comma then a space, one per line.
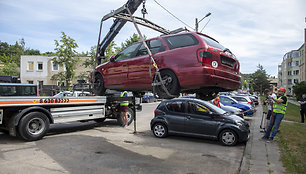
238, 123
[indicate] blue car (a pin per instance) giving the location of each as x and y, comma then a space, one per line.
229, 101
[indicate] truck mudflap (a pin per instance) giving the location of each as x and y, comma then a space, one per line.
1, 116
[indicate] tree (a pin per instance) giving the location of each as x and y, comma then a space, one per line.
66, 56
9, 68
60, 77
90, 62
299, 89
259, 79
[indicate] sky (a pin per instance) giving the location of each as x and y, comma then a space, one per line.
256, 31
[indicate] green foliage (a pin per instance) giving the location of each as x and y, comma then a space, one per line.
299, 89
9, 68
67, 56
259, 79
90, 62
15, 51
134, 38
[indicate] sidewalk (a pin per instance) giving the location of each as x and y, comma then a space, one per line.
260, 157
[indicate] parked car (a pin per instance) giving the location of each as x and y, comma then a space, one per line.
72, 94
189, 62
148, 98
229, 101
254, 99
193, 117
232, 110
243, 99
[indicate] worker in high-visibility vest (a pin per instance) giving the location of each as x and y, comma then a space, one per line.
280, 103
124, 105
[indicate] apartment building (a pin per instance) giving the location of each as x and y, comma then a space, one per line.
292, 69
37, 69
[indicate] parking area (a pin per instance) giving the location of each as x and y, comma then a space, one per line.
107, 148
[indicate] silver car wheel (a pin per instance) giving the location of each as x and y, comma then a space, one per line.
228, 138
159, 130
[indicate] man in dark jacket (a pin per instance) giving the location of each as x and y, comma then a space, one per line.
302, 102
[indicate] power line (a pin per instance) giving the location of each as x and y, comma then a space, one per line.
172, 14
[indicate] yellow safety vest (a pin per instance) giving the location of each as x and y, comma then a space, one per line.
279, 108
124, 103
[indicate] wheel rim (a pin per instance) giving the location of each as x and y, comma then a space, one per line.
129, 115
36, 126
159, 130
228, 138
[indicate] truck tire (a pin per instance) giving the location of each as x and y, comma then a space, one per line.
130, 115
98, 87
33, 126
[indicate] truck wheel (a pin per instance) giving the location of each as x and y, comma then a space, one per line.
98, 87
130, 117
33, 126
171, 83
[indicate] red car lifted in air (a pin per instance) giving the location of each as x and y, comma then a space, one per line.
189, 62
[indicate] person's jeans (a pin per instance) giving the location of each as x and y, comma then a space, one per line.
274, 123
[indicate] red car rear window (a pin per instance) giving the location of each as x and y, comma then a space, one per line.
179, 41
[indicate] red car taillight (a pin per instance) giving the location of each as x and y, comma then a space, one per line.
155, 112
204, 56
250, 103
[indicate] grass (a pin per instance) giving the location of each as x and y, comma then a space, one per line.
292, 142
293, 113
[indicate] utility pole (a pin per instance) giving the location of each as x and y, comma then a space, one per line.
197, 22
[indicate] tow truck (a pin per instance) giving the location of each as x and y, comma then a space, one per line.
29, 117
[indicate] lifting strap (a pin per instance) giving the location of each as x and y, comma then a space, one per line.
157, 73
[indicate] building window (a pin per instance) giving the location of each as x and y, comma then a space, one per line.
289, 73
60, 83
296, 72
30, 82
297, 63
30, 66
295, 81
54, 67
39, 66
289, 64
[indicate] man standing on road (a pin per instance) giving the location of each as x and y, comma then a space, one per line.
123, 109
302, 102
280, 103
269, 102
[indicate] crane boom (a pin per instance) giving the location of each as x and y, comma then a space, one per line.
132, 5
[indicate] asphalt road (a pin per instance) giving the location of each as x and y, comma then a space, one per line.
106, 148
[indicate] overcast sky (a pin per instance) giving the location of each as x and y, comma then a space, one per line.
256, 31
